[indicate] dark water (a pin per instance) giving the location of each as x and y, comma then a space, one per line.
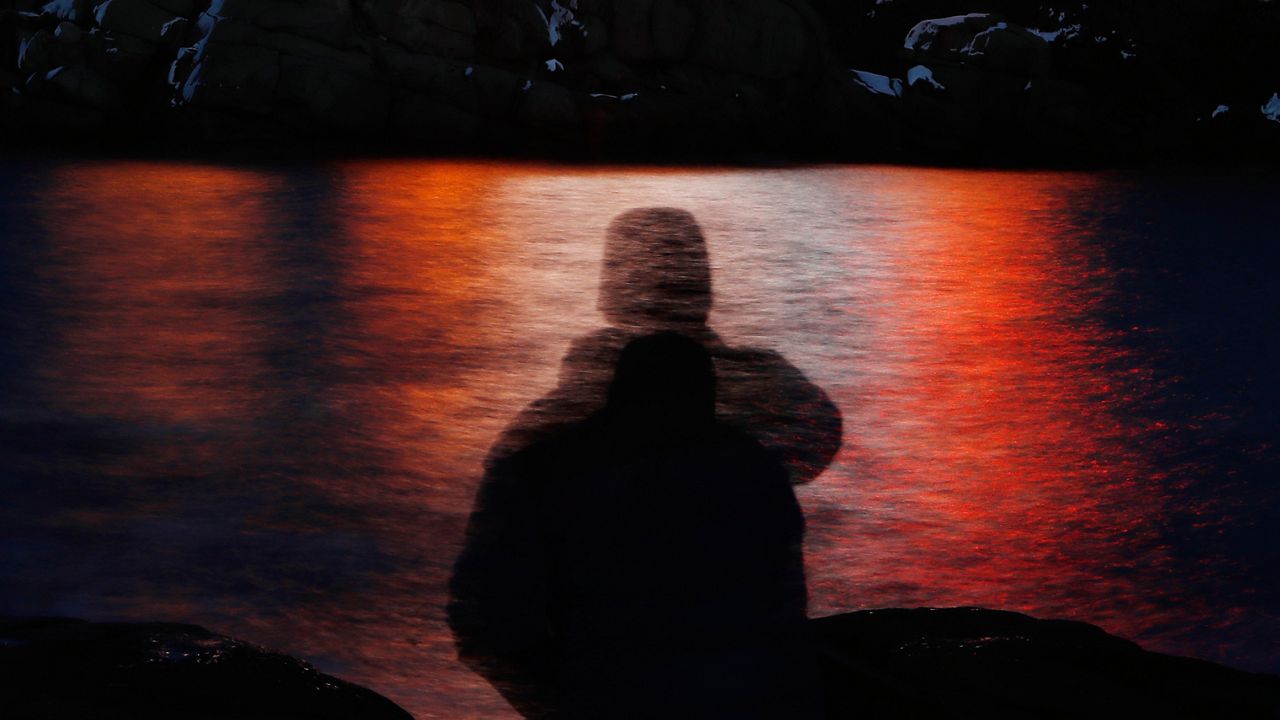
259, 398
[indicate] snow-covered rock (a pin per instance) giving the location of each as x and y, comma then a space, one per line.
922, 74
1067, 32
1271, 110
980, 40
922, 36
878, 84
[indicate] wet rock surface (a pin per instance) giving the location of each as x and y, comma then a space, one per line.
976, 663
1018, 82
58, 668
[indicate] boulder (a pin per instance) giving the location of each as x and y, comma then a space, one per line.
443, 80
548, 105
68, 33
181, 8
674, 24
76, 11
511, 30
56, 669
434, 124
142, 20
761, 38
976, 663
83, 85
249, 67
215, 31
442, 27
232, 77
632, 32
34, 51
329, 21
320, 97
979, 40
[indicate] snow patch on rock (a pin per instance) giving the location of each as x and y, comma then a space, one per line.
1271, 110
978, 43
878, 84
923, 33
920, 73
561, 16
1066, 33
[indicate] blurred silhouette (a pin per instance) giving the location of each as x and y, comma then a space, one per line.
642, 563
656, 276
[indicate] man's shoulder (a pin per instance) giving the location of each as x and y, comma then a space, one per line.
746, 449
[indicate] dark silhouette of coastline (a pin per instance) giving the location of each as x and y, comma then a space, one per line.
645, 562
656, 276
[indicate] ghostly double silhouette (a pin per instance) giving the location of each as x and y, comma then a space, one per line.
635, 547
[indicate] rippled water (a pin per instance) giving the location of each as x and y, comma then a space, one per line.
258, 398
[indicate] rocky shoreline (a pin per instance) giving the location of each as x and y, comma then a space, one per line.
894, 663
1021, 83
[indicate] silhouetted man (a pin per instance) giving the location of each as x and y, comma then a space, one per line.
656, 276
643, 563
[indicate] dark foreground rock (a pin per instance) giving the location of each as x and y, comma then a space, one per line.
54, 669
974, 663
900, 664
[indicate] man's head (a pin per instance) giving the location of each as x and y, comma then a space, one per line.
655, 272
665, 376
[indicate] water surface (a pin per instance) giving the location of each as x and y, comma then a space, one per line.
258, 398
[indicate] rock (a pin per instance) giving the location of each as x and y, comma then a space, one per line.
182, 8
140, 19
497, 90
441, 26
632, 32
76, 11
68, 33
114, 43
33, 51
980, 40
548, 105
291, 77
62, 119
329, 21
877, 84
674, 23
222, 31
314, 96
1087, 82
84, 85
441, 40
1271, 109
975, 663
511, 30
444, 80
56, 669
761, 38
433, 124
235, 77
